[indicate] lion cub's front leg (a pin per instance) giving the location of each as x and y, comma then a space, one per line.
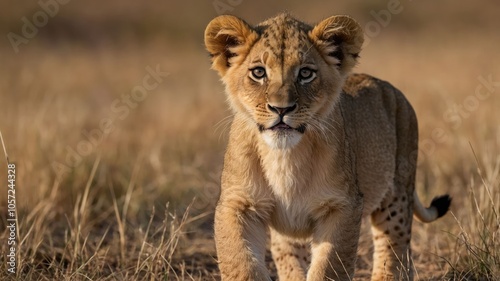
335, 244
291, 256
240, 238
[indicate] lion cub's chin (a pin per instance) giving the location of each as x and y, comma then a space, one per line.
281, 139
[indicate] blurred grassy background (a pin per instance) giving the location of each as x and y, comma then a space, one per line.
169, 147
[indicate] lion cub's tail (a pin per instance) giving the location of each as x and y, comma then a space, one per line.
439, 207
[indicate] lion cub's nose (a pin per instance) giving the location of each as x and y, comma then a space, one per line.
281, 111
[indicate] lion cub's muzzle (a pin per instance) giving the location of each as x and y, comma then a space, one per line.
281, 111
281, 125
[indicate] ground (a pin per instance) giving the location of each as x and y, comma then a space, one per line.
117, 129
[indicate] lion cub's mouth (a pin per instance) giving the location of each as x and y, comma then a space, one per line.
281, 126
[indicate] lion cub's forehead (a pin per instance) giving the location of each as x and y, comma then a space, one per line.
285, 37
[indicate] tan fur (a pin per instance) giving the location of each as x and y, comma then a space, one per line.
346, 153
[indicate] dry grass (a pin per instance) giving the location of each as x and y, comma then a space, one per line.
125, 211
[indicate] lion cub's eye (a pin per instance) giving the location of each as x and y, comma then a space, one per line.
258, 72
306, 75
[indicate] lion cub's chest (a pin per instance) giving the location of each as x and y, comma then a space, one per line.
292, 211
300, 190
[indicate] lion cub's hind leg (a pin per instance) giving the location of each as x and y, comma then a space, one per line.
391, 229
292, 257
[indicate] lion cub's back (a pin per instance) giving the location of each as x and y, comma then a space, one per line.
378, 119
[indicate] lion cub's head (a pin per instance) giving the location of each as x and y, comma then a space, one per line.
284, 75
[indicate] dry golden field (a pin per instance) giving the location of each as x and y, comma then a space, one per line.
109, 187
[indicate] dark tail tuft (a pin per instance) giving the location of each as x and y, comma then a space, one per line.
442, 204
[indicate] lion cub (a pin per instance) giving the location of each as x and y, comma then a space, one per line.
311, 151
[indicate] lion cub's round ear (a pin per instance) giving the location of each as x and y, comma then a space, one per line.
228, 39
339, 39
